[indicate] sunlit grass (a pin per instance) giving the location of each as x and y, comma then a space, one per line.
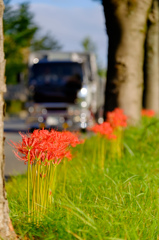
120, 201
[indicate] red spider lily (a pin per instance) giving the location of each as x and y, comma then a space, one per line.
28, 145
148, 113
43, 146
68, 155
104, 129
117, 118
72, 138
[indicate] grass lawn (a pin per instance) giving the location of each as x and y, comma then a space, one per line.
120, 201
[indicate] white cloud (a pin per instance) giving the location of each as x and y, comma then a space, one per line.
71, 25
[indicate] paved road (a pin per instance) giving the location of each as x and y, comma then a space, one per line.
14, 124
11, 128
13, 166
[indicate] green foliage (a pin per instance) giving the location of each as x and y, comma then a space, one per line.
18, 24
45, 43
102, 72
119, 202
88, 45
14, 106
20, 36
19, 29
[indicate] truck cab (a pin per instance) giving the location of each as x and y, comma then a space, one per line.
63, 94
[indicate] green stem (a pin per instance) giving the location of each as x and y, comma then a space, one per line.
28, 185
33, 189
53, 178
102, 153
95, 150
64, 183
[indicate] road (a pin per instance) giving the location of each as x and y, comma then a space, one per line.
12, 126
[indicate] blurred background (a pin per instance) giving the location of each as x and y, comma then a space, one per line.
63, 73
46, 46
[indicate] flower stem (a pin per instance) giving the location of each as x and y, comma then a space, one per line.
28, 185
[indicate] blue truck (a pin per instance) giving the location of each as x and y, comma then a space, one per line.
65, 91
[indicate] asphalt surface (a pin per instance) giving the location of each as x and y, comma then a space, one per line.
15, 125
12, 126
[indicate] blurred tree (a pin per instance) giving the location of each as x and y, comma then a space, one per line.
88, 45
20, 35
6, 229
151, 69
46, 42
126, 24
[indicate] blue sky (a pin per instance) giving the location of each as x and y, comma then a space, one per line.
64, 3
70, 21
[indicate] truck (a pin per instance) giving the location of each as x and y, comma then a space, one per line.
65, 91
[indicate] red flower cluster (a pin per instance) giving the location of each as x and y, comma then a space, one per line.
45, 146
104, 129
117, 118
148, 113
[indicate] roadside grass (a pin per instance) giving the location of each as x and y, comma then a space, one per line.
119, 202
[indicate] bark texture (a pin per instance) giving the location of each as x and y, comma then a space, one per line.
6, 229
152, 59
126, 22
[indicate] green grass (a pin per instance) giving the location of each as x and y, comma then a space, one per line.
14, 106
119, 202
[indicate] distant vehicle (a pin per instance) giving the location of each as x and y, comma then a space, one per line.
65, 90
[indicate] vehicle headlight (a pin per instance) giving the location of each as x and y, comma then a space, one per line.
52, 121
44, 111
70, 111
40, 119
83, 125
73, 111
76, 118
83, 117
83, 104
37, 109
82, 93
31, 109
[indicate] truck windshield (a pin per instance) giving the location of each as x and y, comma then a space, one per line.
55, 73
56, 81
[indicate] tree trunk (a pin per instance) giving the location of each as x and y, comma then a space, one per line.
126, 27
152, 60
6, 229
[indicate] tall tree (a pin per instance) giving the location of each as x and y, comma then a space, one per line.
46, 42
126, 23
6, 229
19, 30
151, 68
22, 35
